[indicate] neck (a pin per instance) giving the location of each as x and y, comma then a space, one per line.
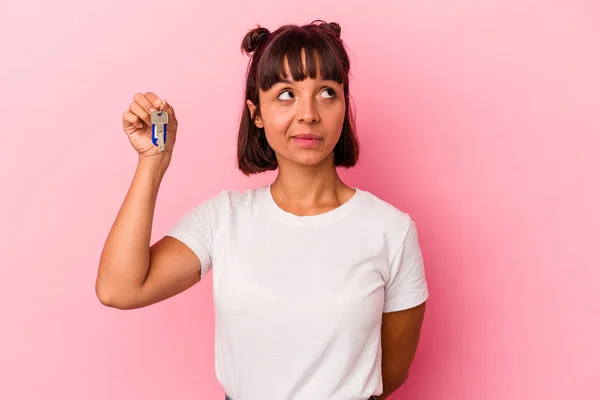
308, 185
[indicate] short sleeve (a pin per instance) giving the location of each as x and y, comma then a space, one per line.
407, 285
196, 230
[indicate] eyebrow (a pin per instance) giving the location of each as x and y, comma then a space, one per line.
284, 81
289, 82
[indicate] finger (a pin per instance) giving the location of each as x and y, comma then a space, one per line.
172, 125
167, 107
137, 109
130, 118
154, 100
144, 102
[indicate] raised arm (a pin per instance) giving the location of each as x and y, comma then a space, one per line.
131, 273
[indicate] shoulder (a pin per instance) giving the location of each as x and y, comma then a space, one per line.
236, 199
380, 214
231, 200
214, 211
382, 210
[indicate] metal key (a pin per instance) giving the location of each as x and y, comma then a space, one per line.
159, 121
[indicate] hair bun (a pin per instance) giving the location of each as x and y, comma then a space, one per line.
331, 27
335, 28
254, 39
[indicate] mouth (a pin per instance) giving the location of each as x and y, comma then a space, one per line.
307, 135
307, 140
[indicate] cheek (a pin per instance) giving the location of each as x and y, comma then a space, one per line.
277, 122
275, 130
336, 122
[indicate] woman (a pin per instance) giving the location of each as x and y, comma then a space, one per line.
319, 288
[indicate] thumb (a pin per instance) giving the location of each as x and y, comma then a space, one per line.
165, 106
157, 103
162, 105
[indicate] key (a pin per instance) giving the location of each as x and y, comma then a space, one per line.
159, 121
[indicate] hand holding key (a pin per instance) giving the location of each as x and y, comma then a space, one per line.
138, 125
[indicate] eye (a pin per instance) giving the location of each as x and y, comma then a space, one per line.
331, 93
281, 97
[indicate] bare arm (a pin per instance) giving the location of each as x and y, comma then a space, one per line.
400, 332
131, 273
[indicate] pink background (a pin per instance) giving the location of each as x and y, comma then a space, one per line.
479, 118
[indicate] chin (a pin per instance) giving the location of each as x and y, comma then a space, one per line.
309, 163
308, 157
312, 160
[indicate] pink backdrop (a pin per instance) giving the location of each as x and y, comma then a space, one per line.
479, 118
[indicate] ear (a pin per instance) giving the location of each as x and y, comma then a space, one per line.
252, 108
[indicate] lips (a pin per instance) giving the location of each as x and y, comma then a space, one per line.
307, 140
307, 136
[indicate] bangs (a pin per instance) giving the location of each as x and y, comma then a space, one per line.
320, 52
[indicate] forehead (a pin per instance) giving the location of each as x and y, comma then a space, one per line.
298, 57
310, 67
288, 75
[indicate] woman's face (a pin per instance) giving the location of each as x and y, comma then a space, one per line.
302, 120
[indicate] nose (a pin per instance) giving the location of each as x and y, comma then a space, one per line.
307, 110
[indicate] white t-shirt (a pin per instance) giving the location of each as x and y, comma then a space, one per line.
299, 299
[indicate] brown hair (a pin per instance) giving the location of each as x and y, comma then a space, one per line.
267, 52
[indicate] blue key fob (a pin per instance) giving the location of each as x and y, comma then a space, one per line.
159, 121
157, 128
